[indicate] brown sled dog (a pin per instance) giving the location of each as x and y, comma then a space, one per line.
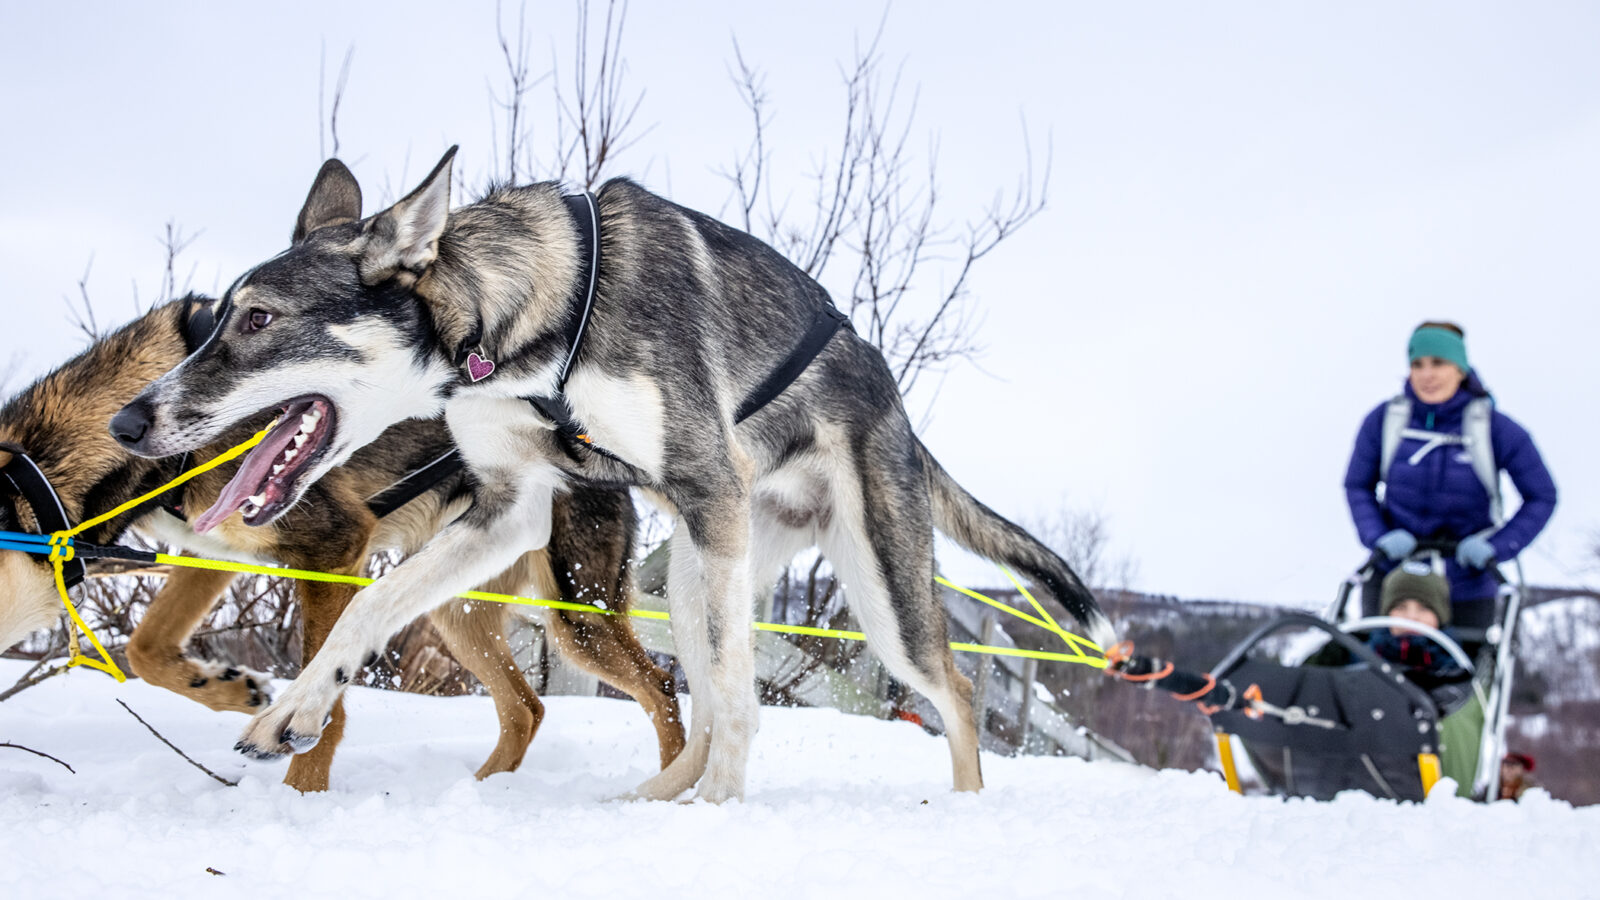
60, 422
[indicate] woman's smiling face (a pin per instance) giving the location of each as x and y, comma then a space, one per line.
1435, 380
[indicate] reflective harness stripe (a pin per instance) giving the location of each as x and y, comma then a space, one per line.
414, 484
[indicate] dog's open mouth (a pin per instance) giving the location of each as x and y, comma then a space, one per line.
265, 482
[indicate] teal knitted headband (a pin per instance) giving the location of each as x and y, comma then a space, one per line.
1442, 343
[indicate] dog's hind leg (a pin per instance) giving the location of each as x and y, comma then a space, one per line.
606, 646
590, 561
475, 634
881, 545
713, 570
156, 650
322, 603
694, 653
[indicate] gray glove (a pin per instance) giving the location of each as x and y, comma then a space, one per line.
1396, 544
1475, 552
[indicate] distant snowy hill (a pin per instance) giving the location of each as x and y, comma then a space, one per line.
839, 806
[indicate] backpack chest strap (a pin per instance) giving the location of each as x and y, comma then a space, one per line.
1431, 440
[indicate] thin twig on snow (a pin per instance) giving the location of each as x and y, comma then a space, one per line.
175, 747
37, 753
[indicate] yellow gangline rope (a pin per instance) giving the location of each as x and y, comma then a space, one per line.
61, 551
1071, 640
1074, 642
1078, 656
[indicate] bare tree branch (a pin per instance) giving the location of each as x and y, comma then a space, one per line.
595, 114
1082, 538
750, 166
30, 680
519, 82
84, 319
174, 747
338, 97
37, 753
329, 125
870, 204
58, 642
322, 91
173, 243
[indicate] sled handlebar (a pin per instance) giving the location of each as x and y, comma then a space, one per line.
1445, 547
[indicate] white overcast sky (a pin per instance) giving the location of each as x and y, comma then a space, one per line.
1252, 204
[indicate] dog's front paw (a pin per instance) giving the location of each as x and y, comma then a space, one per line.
293, 725
229, 688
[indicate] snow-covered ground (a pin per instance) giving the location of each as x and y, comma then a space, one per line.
838, 806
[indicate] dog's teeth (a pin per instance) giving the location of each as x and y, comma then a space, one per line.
290, 454
249, 509
300, 440
307, 423
277, 470
315, 415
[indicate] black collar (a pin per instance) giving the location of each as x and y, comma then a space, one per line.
30, 483
554, 406
827, 320
586, 215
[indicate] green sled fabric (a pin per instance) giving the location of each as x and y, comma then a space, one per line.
1460, 735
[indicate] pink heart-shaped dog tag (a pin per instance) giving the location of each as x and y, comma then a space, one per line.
478, 368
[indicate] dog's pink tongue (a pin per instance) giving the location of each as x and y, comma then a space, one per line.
233, 496
251, 476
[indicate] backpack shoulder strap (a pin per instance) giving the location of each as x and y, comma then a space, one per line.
1396, 418
1475, 420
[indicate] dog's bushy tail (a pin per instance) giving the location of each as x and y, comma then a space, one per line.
985, 532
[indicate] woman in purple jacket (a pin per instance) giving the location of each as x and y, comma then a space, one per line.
1432, 490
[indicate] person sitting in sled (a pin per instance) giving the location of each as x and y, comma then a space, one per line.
1415, 592
1437, 450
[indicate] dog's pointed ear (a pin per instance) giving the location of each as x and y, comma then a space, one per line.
405, 237
335, 199
198, 319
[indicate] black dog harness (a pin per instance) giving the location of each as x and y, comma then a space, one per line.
557, 409
26, 478
827, 321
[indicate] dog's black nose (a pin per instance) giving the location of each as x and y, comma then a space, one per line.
131, 422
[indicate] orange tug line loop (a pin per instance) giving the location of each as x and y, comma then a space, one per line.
1152, 676
1211, 682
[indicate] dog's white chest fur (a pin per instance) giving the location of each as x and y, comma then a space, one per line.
490, 430
623, 415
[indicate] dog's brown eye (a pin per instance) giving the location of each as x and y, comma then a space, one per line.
257, 320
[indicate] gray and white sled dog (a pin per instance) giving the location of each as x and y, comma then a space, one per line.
417, 309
